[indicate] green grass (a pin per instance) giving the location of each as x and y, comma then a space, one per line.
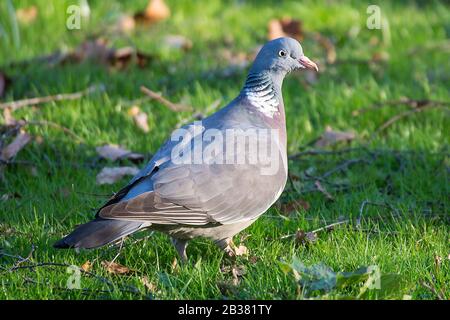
62, 191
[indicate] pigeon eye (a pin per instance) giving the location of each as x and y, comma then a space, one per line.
282, 53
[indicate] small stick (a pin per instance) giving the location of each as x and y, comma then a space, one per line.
412, 103
404, 115
54, 125
433, 289
14, 105
172, 106
316, 152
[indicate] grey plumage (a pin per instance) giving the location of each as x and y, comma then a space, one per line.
209, 199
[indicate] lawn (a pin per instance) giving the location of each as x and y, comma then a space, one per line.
386, 187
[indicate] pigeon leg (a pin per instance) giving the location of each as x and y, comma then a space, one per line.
180, 246
227, 246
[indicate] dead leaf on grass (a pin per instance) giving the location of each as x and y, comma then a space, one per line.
156, 10
140, 118
148, 284
178, 42
303, 237
27, 15
294, 205
110, 175
115, 268
331, 137
114, 152
241, 251
285, 27
87, 266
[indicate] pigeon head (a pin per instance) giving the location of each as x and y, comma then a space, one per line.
282, 55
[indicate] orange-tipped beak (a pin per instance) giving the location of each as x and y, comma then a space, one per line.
308, 63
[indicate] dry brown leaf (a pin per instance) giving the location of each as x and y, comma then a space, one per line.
303, 237
327, 44
241, 250
294, 205
157, 10
331, 137
27, 15
98, 50
114, 152
115, 268
178, 42
110, 175
140, 118
15, 146
148, 284
87, 266
285, 27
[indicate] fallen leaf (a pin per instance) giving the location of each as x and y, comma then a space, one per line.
97, 50
15, 146
140, 118
331, 137
236, 273
327, 44
178, 42
285, 27
241, 250
110, 175
294, 205
253, 259
303, 237
114, 152
27, 15
87, 266
156, 10
148, 284
115, 268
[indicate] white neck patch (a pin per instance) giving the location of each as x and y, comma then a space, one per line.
263, 101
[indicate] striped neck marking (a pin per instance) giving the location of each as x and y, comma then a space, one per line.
260, 91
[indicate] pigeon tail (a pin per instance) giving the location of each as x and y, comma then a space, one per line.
97, 233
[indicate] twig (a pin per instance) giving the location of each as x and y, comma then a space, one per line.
317, 152
172, 106
54, 125
342, 166
412, 103
433, 289
14, 105
404, 115
330, 226
367, 202
323, 190
324, 228
22, 260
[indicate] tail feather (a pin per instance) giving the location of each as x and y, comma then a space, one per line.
97, 233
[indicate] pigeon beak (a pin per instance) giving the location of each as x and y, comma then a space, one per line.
307, 63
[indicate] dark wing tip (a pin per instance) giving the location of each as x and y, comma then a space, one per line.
62, 244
